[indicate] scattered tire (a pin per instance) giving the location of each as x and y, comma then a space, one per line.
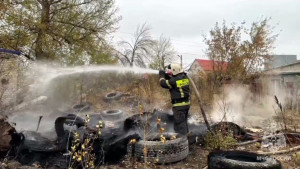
158, 152
35, 142
229, 127
82, 107
72, 119
112, 114
241, 160
139, 121
109, 97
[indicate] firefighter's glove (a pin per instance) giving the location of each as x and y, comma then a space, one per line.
162, 74
167, 77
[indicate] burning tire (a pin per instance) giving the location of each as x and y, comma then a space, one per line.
229, 127
33, 147
82, 107
5, 135
112, 114
112, 96
172, 150
241, 159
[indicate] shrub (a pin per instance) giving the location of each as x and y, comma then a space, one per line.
219, 141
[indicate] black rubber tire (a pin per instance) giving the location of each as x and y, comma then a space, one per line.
229, 127
82, 107
57, 160
25, 157
112, 114
72, 119
241, 160
158, 152
94, 121
34, 141
112, 96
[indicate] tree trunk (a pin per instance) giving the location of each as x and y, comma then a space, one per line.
163, 62
42, 29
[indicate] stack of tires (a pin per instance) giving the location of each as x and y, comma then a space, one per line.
114, 114
172, 150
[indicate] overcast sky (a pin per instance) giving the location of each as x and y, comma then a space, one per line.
184, 21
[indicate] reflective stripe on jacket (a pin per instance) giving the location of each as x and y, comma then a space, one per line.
179, 87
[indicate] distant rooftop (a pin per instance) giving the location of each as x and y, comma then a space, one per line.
209, 65
281, 60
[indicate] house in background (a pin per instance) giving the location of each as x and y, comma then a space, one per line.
205, 66
284, 82
281, 60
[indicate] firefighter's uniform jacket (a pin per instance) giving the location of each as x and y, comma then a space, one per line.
179, 89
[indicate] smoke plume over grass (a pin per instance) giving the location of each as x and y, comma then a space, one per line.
238, 104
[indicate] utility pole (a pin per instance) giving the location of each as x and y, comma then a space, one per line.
180, 60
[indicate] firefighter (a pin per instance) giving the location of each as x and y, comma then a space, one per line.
178, 85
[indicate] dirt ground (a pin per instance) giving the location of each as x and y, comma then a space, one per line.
197, 157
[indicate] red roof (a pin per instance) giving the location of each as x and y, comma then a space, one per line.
207, 65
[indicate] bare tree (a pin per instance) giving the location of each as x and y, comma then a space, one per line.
163, 52
138, 50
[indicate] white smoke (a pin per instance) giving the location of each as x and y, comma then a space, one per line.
55, 85
239, 105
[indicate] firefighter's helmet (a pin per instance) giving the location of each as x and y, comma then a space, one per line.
175, 68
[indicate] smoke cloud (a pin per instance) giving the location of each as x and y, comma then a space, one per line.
59, 88
239, 105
